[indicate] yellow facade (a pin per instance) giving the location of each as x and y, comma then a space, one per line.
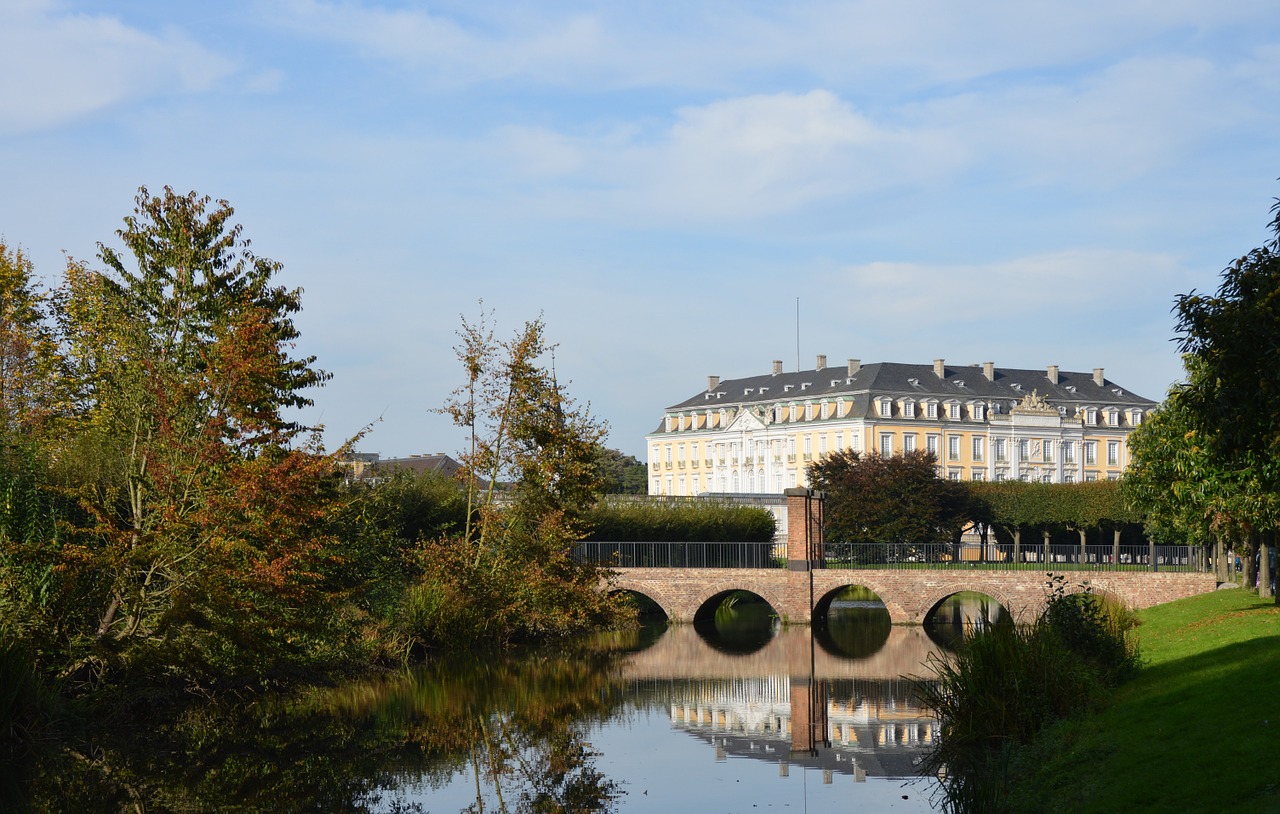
975, 429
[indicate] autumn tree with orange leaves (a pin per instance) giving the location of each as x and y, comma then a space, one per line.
196, 543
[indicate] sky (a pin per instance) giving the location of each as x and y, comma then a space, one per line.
666, 184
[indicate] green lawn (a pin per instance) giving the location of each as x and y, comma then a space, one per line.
1198, 729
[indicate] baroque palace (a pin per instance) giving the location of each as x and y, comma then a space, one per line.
758, 434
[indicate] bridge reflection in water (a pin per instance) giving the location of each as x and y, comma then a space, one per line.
792, 702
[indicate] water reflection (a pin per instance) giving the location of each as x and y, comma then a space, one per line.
961, 613
740, 624
654, 719
855, 624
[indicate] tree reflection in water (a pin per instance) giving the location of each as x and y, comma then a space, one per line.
516, 726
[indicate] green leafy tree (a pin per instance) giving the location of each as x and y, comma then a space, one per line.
531, 474
1231, 402
622, 474
897, 499
205, 523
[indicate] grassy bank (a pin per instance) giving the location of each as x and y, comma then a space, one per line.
1197, 729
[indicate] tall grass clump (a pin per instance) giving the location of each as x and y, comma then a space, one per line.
24, 702
684, 521
1007, 683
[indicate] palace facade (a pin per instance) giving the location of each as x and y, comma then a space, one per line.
758, 434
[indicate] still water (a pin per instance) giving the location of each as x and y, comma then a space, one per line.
732, 715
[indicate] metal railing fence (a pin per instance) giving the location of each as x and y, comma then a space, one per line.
1006, 557
680, 555
900, 556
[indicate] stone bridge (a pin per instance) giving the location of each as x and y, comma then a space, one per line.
908, 595
803, 590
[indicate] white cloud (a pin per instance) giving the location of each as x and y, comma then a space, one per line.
1020, 288
56, 66
446, 49
721, 44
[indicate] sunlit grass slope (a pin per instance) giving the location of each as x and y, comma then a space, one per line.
1198, 729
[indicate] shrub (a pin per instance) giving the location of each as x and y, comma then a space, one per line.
687, 521
1007, 684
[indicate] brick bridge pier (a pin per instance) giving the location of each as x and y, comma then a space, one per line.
804, 589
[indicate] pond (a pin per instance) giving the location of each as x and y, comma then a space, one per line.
734, 714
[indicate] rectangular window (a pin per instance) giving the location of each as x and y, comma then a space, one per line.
839, 441
909, 409
1090, 453
953, 448
1113, 453
1024, 450
933, 445
808, 446
999, 450
1048, 450
822, 444
953, 412
886, 409
953, 474
668, 453
1069, 452
886, 445
977, 412
1068, 478
979, 444
1090, 477
931, 410
909, 442
978, 474
791, 446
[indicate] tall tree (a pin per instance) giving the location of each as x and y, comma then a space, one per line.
28, 349
896, 499
1232, 400
206, 516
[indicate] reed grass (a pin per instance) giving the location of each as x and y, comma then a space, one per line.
1008, 683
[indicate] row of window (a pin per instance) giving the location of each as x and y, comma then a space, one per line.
909, 408
1027, 450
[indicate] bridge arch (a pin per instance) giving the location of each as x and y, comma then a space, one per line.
716, 590
645, 589
1017, 610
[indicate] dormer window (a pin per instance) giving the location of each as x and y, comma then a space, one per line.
913, 382
1071, 388
806, 385
670, 422
1091, 416
886, 408
1113, 417
1016, 386
959, 382
1135, 418
908, 408
931, 410
977, 411
786, 388
953, 411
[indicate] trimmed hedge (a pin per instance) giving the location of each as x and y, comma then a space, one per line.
683, 521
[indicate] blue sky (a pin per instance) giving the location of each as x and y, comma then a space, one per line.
1028, 183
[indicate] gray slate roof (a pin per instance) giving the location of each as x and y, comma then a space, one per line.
897, 380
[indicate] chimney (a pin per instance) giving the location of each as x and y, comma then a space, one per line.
939, 368
1053, 373
989, 371
1097, 377
822, 361
712, 382
777, 366
854, 366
